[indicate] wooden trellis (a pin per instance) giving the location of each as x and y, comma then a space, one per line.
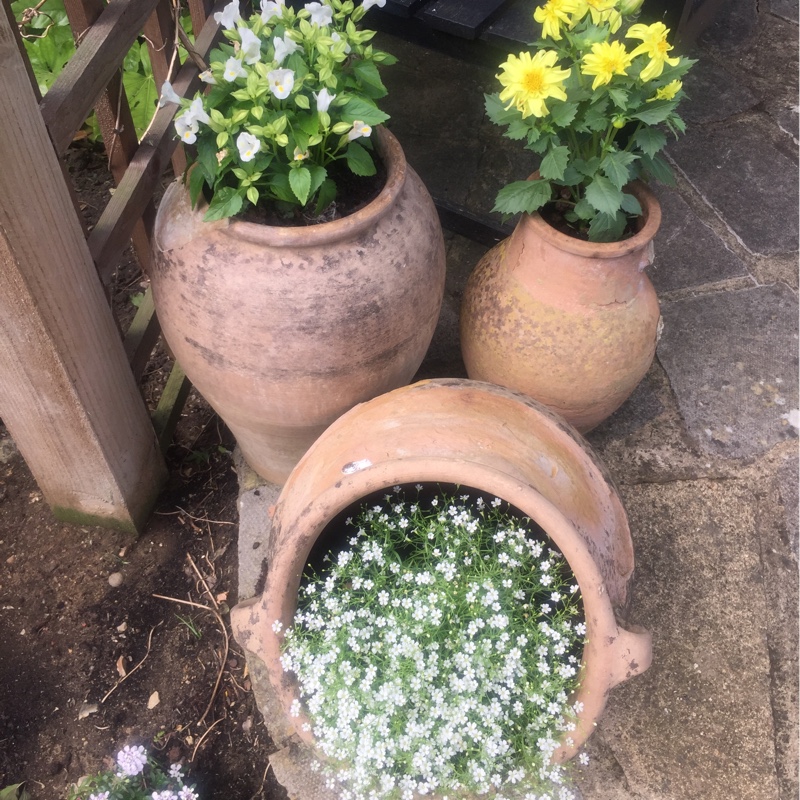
68, 380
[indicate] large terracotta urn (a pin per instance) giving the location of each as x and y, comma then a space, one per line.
283, 329
475, 435
571, 323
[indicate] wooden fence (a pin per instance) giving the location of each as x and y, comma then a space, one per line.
68, 380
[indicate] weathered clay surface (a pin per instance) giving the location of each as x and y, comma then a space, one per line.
572, 324
477, 435
284, 329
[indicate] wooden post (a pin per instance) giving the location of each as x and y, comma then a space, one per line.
67, 394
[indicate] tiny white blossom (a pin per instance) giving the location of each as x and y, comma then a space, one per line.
324, 99
207, 77
187, 129
132, 760
234, 69
277, 626
168, 95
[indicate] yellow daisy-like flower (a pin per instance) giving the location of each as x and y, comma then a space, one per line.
554, 14
530, 81
655, 45
606, 60
667, 92
602, 11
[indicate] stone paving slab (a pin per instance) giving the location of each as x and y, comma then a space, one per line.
713, 94
731, 359
740, 171
698, 724
688, 252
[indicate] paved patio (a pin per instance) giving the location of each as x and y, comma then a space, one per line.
705, 452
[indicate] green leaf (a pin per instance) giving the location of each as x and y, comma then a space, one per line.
252, 194
497, 112
595, 118
562, 114
279, 187
196, 182
207, 157
359, 108
603, 195
368, 74
359, 160
571, 177
301, 101
616, 166
554, 163
653, 113
225, 203
649, 140
676, 122
300, 182
620, 98
607, 227
584, 209
14, 792
522, 197
659, 169
517, 130
318, 175
630, 205
327, 194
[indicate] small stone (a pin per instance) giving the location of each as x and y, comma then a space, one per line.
153, 700
115, 579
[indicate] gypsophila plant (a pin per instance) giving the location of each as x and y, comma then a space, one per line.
593, 97
135, 778
438, 651
291, 93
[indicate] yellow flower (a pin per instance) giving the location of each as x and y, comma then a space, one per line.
553, 14
654, 44
667, 92
606, 60
530, 81
602, 11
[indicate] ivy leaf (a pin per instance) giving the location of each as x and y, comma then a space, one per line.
607, 227
363, 109
649, 140
368, 74
563, 113
522, 197
300, 182
603, 195
359, 160
225, 203
497, 112
554, 163
630, 205
616, 167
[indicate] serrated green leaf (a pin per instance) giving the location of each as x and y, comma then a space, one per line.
554, 163
674, 121
620, 98
584, 210
562, 114
517, 130
616, 166
607, 227
497, 112
359, 160
603, 195
653, 113
359, 108
225, 203
595, 118
630, 205
649, 140
659, 169
522, 197
300, 182
368, 74
571, 177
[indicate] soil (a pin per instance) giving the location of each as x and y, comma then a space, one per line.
87, 667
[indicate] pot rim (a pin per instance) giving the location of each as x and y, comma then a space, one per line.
651, 213
327, 232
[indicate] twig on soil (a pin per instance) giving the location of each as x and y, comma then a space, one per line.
125, 677
260, 790
203, 581
191, 516
200, 740
221, 624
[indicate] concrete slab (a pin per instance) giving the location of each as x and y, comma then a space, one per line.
743, 171
714, 93
698, 724
688, 252
788, 480
786, 9
731, 359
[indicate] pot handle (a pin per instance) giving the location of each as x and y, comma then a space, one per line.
632, 654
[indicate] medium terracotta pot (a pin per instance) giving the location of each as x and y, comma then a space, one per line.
476, 435
283, 329
573, 324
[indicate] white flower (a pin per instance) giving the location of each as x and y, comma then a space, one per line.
369, 3
248, 146
584, 758
281, 82
358, 130
284, 47
320, 14
207, 77
187, 128
228, 16
270, 9
324, 99
168, 95
347, 49
196, 112
234, 69
301, 155
251, 46
132, 760
188, 793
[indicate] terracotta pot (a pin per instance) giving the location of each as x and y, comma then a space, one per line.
283, 329
476, 435
573, 324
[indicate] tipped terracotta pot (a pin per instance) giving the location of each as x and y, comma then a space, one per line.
475, 435
573, 324
283, 329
